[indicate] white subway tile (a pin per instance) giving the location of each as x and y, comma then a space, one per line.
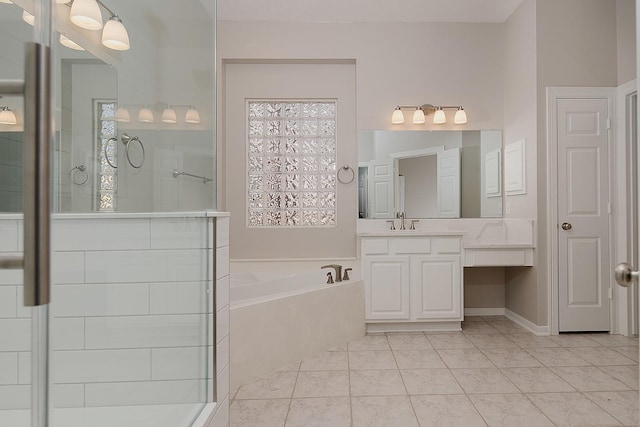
178, 233
222, 323
15, 397
10, 277
8, 368
212, 233
67, 333
67, 267
222, 353
101, 365
145, 266
179, 363
145, 393
222, 232
24, 367
68, 395
22, 312
8, 301
100, 300
178, 298
222, 262
8, 235
100, 234
145, 331
222, 291
15, 334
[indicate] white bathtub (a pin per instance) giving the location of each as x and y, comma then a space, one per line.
278, 319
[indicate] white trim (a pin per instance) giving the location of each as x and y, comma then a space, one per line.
497, 311
527, 324
553, 95
431, 151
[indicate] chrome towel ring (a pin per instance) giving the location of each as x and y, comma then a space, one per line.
127, 141
83, 176
348, 180
106, 154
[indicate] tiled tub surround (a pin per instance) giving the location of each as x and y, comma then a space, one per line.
278, 321
492, 373
131, 323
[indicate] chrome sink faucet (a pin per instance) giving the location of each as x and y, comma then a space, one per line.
402, 220
337, 268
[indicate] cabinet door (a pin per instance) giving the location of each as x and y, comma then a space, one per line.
386, 287
436, 288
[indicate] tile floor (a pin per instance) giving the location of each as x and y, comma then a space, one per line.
492, 373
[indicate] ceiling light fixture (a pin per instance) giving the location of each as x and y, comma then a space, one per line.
7, 117
423, 110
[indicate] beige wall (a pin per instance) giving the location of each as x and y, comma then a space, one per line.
626, 37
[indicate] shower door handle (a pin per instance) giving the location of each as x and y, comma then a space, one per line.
38, 130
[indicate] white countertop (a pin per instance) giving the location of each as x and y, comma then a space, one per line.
410, 233
497, 245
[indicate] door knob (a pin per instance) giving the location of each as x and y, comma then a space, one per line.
625, 275
566, 226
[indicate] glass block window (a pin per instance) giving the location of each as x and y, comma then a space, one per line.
291, 163
107, 156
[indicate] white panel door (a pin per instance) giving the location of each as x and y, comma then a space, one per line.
387, 287
449, 183
381, 200
583, 218
436, 290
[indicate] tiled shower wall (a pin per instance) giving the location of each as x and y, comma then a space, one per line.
130, 320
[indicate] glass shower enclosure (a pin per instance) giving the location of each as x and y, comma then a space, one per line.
107, 171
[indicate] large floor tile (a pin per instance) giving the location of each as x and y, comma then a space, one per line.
430, 381
507, 326
415, 341
623, 405
537, 380
369, 342
450, 411
532, 341
258, 413
371, 360
320, 412
630, 352
625, 374
589, 378
467, 358
449, 341
511, 358
475, 327
574, 340
377, 383
418, 359
488, 380
557, 357
613, 340
491, 341
327, 361
322, 384
572, 409
602, 356
382, 411
507, 410
275, 386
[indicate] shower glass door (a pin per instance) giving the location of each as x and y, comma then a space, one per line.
127, 339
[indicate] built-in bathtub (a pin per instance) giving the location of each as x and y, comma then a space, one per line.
278, 319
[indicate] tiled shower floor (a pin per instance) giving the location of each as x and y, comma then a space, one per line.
492, 373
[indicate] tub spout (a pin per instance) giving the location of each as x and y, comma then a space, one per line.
337, 268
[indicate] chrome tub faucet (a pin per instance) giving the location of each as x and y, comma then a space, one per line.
337, 268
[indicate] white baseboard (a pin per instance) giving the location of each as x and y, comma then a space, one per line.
527, 324
498, 311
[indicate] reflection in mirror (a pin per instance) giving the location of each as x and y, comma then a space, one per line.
427, 174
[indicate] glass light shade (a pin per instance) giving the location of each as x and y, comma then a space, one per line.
62, 1
7, 117
86, 14
28, 18
145, 115
6, 1
397, 118
122, 115
114, 35
439, 118
66, 41
418, 117
192, 116
169, 115
461, 117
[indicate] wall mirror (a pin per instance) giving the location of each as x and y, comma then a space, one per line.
430, 174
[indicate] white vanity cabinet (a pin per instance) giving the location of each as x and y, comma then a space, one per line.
413, 281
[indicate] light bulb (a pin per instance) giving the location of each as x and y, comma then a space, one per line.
145, 115
439, 118
122, 115
66, 41
169, 115
460, 117
28, 18
397, 118
7, 117
418, 117
192, 115
86, 14
114, 35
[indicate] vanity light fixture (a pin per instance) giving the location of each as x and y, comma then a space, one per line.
63, 1
6, 1
145, 115
423, 110
86, 14
122, 115
67, 42
192, 116
169, 115
114, 34
7, 117
28, 18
